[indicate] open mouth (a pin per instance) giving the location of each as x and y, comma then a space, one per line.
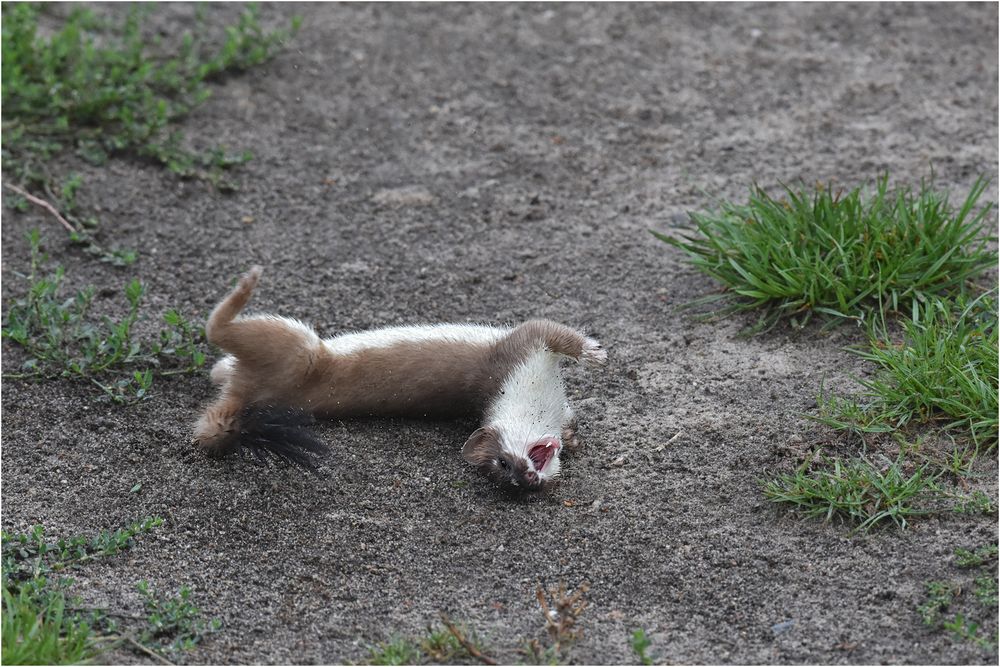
542, 452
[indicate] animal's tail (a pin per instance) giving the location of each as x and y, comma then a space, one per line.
220, 329
263, 350
279, 433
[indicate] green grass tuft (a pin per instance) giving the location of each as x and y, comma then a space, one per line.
856, 490
867, 495
395, 652
944, 370
39, 632
840, 255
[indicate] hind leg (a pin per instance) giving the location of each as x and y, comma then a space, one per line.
218, 429
560, 339
223, 370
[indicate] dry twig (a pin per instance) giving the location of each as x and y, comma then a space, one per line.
44, 204
142, 647
561, 611
466, 644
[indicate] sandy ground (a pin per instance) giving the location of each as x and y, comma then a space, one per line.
493, 163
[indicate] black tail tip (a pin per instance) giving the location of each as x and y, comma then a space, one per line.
282, 434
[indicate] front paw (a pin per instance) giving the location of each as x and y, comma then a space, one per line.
593, 354
570, 439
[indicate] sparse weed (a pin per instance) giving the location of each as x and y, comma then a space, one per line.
975, 503
640, 644
180, 341
985, 590
959, 460
441, 647
939, 597
27, 556
967, 629
100, 90
972, 617
44, 624
981, 556
173, 623
840, 256
62, 339
944, 370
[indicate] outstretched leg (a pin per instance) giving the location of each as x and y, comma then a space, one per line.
557, 338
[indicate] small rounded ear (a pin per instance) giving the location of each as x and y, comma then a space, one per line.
482, 446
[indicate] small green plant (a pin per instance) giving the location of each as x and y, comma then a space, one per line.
981, 556
38, 628
959, 460
948, 606
640, 644
441, 646
985, 590
61, 339
839, 256
173, 623
395, 652
939, 597
28, 556
99, 88
968, 630
180, 340
976, 502
944, 370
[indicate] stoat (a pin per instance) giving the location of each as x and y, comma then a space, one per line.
278, 372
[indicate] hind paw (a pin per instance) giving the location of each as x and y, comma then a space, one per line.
593, 354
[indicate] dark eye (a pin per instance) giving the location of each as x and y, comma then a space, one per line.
503, 463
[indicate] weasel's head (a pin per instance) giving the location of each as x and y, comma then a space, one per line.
528, 464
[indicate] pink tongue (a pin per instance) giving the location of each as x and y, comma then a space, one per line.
542, 451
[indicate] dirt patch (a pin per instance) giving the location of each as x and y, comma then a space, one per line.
493, 163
